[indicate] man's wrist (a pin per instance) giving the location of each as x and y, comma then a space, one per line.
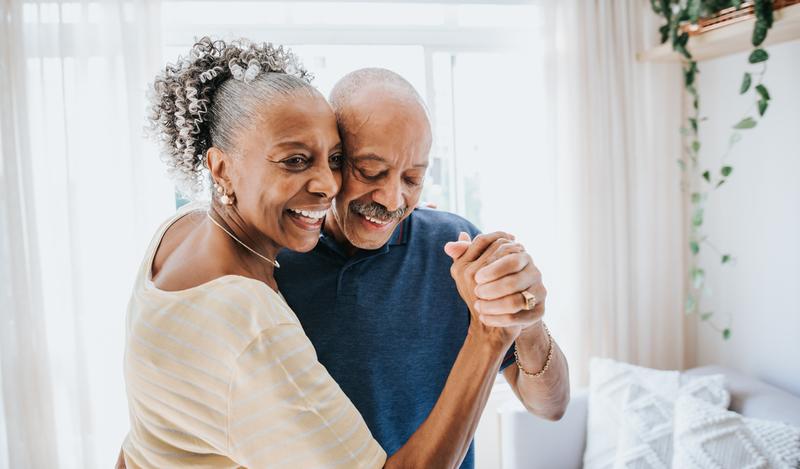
533, 350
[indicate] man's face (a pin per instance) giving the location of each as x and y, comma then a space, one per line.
386, 140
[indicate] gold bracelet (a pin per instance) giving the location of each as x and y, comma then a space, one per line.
539, 373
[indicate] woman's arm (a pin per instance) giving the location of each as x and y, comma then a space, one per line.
263, 396
444, 437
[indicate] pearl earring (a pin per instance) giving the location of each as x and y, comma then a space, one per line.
224, 198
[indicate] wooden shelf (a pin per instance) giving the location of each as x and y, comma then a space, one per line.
730, 39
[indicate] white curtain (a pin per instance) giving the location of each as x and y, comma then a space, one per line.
597, 202
81, 195
618, 206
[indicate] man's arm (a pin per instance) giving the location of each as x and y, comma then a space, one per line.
501, 304
444, 437
547, 395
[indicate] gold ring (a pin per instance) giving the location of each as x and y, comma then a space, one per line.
530, 301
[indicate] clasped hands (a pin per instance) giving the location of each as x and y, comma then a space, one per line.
491, 272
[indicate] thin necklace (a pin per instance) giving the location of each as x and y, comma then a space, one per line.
275, 263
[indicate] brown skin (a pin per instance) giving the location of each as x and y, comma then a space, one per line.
512, 269
289, 159
387, 140
444, 437
387, 155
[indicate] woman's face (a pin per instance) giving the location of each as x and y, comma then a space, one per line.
288, 170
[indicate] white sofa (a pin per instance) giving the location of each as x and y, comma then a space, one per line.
532, 443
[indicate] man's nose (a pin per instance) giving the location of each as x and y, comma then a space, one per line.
323, 183
390, 195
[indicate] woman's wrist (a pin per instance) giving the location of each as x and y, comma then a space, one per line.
497, 339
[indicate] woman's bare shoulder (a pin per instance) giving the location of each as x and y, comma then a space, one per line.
183, 260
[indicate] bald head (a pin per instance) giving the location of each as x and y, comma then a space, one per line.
386, 135
369, 82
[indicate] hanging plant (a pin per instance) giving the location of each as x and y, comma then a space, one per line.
682, 18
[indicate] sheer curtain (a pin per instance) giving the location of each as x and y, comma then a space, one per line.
618, 206
597, 202
81, 195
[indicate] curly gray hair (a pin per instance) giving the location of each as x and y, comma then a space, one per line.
206, 98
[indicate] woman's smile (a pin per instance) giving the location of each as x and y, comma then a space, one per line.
308, 218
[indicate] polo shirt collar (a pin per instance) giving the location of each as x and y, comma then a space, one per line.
399, 238
401, 233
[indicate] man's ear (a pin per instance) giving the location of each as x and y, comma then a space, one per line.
218, 163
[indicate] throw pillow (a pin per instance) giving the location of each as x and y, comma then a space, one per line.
609, 384
710, 437
645, 436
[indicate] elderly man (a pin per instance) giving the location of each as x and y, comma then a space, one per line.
375, 296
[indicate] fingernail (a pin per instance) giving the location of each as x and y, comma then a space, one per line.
477, 306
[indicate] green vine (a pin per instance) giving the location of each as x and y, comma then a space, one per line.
702, 182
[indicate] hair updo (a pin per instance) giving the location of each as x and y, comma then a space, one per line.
205, 98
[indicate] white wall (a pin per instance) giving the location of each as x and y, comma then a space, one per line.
755, 216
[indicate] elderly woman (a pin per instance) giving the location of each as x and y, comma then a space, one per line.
218, 370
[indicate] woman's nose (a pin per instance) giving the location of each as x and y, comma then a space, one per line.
323, 183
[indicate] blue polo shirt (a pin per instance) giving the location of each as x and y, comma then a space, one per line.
386, 323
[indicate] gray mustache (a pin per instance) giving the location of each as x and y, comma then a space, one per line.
376, 210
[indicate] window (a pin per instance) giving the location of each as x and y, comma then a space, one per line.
97, 187
472, 63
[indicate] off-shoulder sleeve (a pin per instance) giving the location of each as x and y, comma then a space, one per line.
285, 410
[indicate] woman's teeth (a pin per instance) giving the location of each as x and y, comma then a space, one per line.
376, 221
314, 215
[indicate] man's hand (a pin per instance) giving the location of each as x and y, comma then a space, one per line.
500, 285
469, 257
505, 271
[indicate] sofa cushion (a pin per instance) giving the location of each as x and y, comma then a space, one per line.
708, 436
757, 399
530, 442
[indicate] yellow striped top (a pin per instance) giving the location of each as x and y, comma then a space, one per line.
222, 375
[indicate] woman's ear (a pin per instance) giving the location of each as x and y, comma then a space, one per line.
218, 163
